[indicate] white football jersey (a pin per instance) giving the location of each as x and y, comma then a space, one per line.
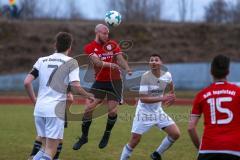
51, 101
153, 86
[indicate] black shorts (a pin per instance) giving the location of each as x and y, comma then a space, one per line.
217, 156
113, 90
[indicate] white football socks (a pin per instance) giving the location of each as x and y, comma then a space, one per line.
42, 156
46, 157
39, 154
126, 153
166, 143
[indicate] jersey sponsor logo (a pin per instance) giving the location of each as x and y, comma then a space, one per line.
107, 55
54, 60
219, 92
156, 91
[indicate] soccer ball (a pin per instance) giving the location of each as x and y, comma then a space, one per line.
113, 18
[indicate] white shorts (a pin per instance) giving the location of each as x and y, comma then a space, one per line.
144, 121
49, 127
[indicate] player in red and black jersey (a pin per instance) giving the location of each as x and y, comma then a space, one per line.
220, 105
107, 59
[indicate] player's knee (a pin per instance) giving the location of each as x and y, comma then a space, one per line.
90, 107
135, 140
89, 110
175, 135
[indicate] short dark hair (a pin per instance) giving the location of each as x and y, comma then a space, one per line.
220, 66
63, 41
156, 55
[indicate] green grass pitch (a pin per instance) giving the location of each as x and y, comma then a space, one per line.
17, 133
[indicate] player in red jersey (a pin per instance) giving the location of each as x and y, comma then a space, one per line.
220, 105
107, 58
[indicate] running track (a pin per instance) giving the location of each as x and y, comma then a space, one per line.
20, 100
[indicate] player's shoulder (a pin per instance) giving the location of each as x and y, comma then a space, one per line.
68, 61
205, 90
42, 59
167, 74
204, 93
113, 41
224, 85
233, 85
67, 58
146, 74
166, 77
60, 56
90, 45
114, 44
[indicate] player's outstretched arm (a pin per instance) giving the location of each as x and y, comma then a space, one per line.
77, 89
123, 64
192, 130
29, 88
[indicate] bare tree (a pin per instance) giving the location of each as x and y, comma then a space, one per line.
74, 11
192, 9
155, 10
29, 8
235, 12
182, 7
217, 12
55, 9
185, 7
138, 10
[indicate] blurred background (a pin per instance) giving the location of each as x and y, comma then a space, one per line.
187, 33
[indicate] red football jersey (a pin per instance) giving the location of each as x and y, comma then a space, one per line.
106, 53
220, 105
